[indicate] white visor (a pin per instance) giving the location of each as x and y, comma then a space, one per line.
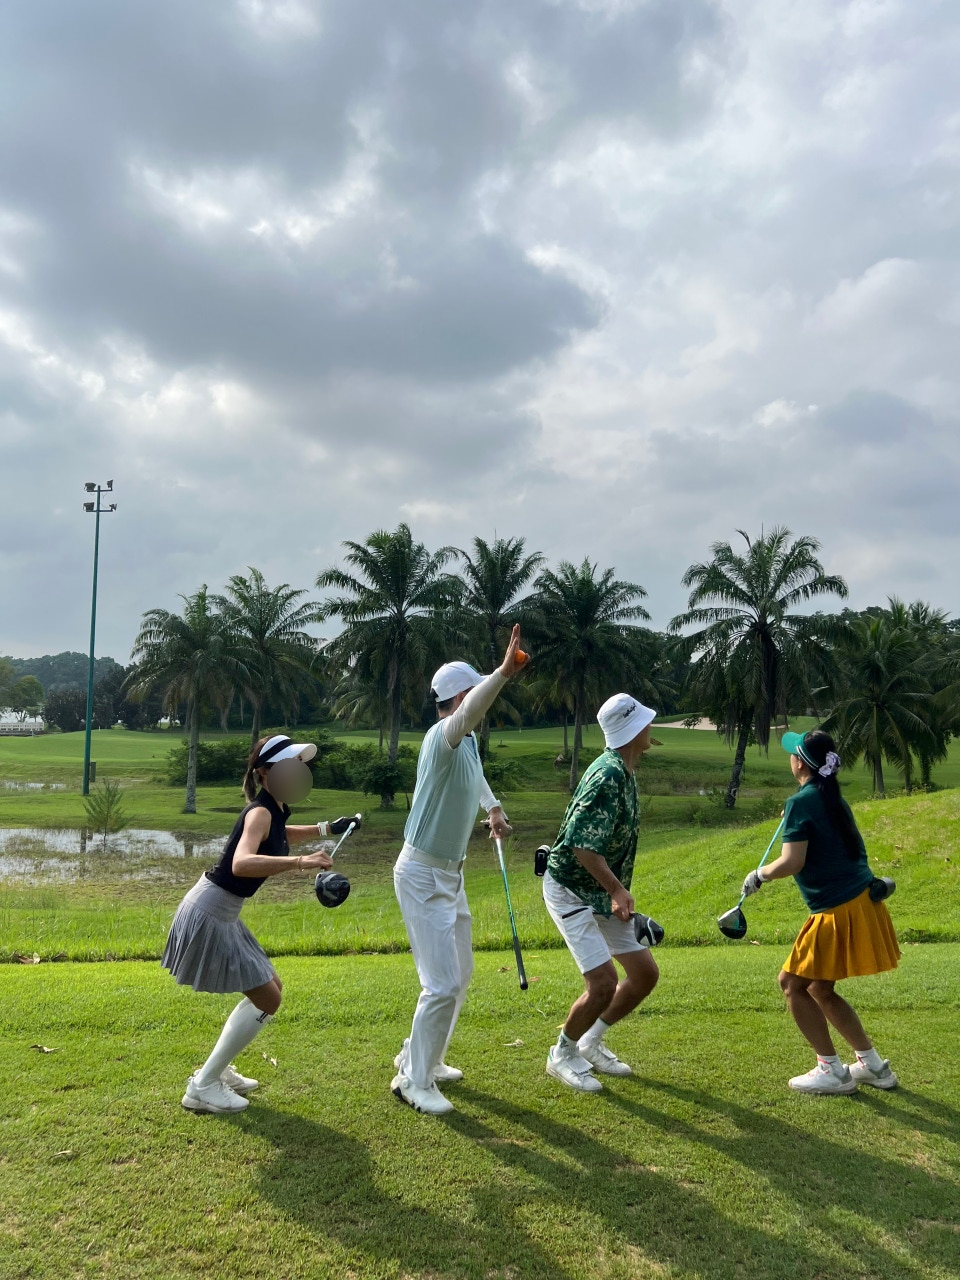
280, 747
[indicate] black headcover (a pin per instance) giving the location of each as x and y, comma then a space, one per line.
647, 930
881, 887
332, 888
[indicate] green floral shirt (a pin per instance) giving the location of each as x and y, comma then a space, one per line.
603, 817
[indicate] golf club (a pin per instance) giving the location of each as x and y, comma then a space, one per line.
332, 888
513, 924
733, 923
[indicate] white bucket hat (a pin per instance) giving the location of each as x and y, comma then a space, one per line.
621, 718
281, 747
454, 678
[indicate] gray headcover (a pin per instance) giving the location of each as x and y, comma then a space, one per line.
290, 781
332, 888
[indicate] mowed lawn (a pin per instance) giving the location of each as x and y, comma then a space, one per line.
704, 1164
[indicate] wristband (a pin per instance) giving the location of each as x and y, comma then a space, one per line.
324, 829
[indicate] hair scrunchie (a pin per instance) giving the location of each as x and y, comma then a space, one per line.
831, 765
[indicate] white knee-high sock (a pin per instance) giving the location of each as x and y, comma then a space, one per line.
243, 1025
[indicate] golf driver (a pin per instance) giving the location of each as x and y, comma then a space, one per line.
513, 924
332, 888
733, 923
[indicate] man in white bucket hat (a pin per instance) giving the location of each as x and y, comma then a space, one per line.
587, 892
428, 877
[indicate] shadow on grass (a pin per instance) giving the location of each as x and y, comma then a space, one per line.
324, 1179
860, 1202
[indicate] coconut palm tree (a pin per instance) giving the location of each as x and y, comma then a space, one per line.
774, 658
582, 628
192, 658
882, 712
272, 642
494, 576
397, 607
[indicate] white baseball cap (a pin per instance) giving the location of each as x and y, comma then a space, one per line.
621, 718
454, 678
280, 747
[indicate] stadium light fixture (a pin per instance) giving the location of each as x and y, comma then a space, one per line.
95, 507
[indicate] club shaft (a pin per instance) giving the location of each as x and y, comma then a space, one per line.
743, 896
351, 828
521, 972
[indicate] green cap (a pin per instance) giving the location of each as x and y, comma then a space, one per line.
791, 743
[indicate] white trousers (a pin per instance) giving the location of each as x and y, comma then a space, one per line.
435, 912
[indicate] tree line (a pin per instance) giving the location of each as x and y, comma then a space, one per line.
747, 652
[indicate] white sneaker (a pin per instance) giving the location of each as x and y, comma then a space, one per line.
603, 1059
215, 1098
430, 1101
882, 1079
825, 1079
442, 1074
232, 1078
573, 1070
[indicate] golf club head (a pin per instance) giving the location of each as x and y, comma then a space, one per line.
733, 923
882, 887
648, 932
332, 888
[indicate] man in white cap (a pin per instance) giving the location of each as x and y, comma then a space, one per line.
587, 892
428, 876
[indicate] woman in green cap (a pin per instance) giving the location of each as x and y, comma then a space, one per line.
849, 933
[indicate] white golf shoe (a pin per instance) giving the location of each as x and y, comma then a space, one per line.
882, 1079
603, 1059
442, 1074
430, 1102
824, 1079
572, 1070
216, 1098
232, 1078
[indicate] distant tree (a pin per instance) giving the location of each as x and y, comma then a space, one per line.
66, 710
396, 608
277, 652
62, 670
104, 810
882, 710
7, 678
752, 652
494, 576
585, 641
25, 697
192, 658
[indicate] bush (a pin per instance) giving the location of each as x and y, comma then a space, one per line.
224, 760
383, 779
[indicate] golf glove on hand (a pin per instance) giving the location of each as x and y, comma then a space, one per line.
339, 825
753, 882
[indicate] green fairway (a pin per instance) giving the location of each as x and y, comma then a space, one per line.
702, 1165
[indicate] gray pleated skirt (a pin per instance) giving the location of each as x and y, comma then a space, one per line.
209, 947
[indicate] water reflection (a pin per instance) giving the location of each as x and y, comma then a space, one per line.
137, 842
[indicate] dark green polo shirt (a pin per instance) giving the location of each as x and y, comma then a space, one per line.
830, 876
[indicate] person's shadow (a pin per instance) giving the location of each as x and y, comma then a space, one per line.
327, 1181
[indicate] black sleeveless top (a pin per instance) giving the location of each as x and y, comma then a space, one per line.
275, 846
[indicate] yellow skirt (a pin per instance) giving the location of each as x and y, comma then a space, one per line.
849, 941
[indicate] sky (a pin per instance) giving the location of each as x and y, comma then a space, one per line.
621, 277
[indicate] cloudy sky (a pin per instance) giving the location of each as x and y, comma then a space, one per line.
621, 276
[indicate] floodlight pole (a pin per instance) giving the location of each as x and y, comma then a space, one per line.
95, 507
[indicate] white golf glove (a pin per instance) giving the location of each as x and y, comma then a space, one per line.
753, 882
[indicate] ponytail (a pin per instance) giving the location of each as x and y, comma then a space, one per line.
250, 782
818, 744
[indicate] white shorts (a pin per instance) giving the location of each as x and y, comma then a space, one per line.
592, 939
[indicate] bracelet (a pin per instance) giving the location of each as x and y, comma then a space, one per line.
324, 829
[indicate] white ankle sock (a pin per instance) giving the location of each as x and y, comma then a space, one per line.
831, 1060
870, 1058
243, 1025
565, 1045
595, 1034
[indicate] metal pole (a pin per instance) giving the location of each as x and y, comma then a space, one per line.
93, 632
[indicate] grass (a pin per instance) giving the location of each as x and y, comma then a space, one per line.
702, 1165
117, 907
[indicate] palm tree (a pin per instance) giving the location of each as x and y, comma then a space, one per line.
276, 650
494, 577
772, 658
581, 625
882, 713
397, 610
192, 658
